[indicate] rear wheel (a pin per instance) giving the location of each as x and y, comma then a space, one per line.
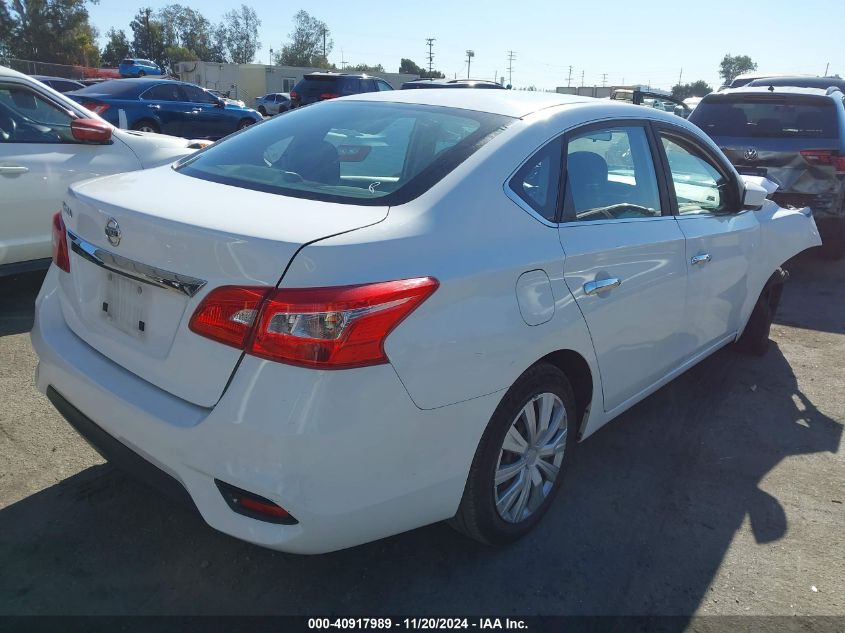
146, 125
521, 459
755, 337
262, 110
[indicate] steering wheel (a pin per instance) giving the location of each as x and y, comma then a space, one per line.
7, 127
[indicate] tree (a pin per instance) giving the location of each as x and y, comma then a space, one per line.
408, 67
735, 65
116, 49
241, 29
148, 36
55, 31
187, 34
695, 89
364, 68
310, 43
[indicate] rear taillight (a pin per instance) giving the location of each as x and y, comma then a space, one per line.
227, 313
325, 328
824, 157
96, 107
329, 95
294, 94
61, 257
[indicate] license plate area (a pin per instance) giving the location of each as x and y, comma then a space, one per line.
124, 304
746, 170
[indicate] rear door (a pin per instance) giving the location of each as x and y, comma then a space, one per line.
625, 257
722, 240
169, 105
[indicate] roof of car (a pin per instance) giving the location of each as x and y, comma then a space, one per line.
798, 81
113, 87
50, 78
507, 102
764, 90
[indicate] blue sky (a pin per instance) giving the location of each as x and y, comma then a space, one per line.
648, 41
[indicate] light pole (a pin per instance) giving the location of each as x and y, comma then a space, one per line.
470, 55
271, 56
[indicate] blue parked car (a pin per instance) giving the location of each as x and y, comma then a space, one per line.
164, 106
132, 67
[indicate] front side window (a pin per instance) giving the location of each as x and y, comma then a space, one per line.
538, 181
349, 152
26, 117
610, 175
383, 85
700, 188
198, 95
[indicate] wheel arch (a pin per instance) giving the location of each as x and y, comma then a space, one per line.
580, 377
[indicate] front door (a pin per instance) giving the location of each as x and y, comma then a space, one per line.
722, 240
625, 258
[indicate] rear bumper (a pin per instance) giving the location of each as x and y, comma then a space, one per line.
347, 452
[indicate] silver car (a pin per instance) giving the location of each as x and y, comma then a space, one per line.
273, 103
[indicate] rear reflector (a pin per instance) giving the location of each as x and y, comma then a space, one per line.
324, 328
824, 157
253, 505
61, 257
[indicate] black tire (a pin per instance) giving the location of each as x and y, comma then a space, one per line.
245, 123
755, 337
262, 110
833, 240
141, 73
477, 516
146, 125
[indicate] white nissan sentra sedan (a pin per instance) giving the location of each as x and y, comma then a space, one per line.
392, 309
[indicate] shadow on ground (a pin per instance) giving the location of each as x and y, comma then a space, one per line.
651, 505
17, 302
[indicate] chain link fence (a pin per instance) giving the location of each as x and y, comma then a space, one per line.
66, 71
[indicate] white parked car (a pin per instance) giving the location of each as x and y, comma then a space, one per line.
48, 142
424, 300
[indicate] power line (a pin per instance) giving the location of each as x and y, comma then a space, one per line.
430, 42
511, 56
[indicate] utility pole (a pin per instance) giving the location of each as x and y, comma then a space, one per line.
826, 68
430, 42
569, 78
603, 80
342, 60
680, 76
470, 55
324, 44
511, 56
582, 78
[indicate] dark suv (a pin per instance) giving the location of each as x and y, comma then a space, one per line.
792, 136
316, 87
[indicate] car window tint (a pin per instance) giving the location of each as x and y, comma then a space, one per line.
699, 186
383, 85
351, 86
198, 95
538, 181
26, 117
164, 92
610, 175
767, 116
350, 152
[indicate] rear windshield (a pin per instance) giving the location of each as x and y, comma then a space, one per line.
353, 152
767, 117
317, 86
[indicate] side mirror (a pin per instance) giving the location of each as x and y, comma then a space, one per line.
90, 130
220, 103
757, 189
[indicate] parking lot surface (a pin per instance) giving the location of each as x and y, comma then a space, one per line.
721, 494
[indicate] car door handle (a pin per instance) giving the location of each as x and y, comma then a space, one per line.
600, 285
154, 106
700, 259
13, 169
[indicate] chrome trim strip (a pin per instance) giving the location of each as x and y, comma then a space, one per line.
145, 273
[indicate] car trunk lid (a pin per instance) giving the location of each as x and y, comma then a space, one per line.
148, 246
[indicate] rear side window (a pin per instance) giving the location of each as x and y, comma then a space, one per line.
164, 92
538, 181
349, 152
767, 117
316, 87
